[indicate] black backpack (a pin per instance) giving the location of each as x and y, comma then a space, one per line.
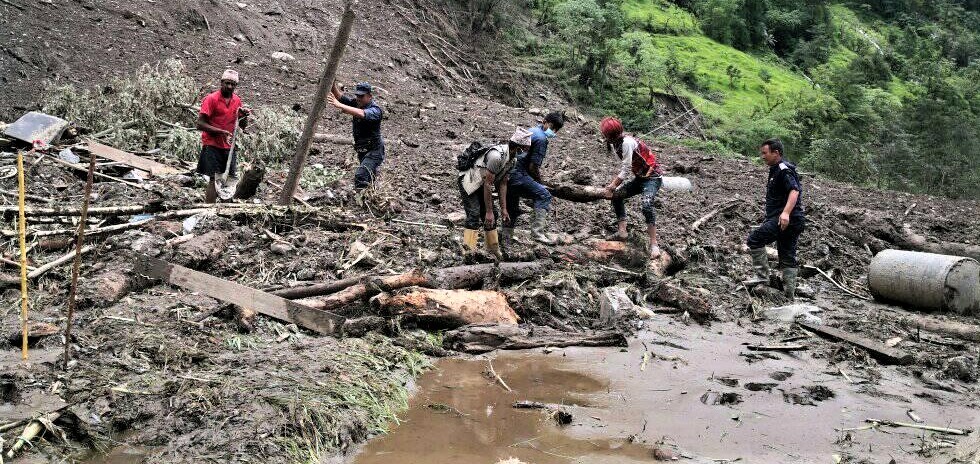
467, 159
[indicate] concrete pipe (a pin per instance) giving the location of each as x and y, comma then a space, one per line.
677, 184
926, 280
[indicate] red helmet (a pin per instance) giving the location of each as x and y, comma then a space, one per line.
611, 128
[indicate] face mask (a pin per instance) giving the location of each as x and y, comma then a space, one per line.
549, 133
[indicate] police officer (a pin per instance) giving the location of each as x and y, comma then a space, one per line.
784, 219
368, 143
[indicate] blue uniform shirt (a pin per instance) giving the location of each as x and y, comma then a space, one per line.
539, 148
367, 131
782, 180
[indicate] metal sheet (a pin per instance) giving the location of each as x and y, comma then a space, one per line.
37, 126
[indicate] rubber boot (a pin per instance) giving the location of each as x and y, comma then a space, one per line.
760, 263
539, 228
506, 240
470, 237
493, 244
789, 282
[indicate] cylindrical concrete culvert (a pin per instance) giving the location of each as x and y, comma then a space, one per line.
926, 280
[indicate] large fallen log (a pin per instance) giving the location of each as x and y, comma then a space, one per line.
588, 193
948, 328
877, 350
447, 278
318, 321
667, 293
446, 309
477, 339
916, 242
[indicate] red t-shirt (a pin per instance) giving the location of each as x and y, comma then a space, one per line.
220, 113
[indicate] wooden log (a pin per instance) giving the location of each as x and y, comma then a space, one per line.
332, 138
949, 328
318, 321
916, 242
667, 293
446, 309
477, 339
58, 262
447, 278
94, 211
579, 193
879, 351
248, 186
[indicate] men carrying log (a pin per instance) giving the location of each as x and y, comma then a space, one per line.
221, 115
640, 163
525, 182
368, 143
784, 219
481, 169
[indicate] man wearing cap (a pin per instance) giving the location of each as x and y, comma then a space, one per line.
640, 172
525, 182
221, 115
491, 170
368, 143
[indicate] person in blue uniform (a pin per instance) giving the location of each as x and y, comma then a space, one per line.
784, 218
368, 143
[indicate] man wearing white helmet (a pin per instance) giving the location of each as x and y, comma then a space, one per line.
481, 170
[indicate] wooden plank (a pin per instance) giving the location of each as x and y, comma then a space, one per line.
129, 159
879, 351
323, 322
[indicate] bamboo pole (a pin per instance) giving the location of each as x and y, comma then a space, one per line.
79, 242
22, 226
319, 101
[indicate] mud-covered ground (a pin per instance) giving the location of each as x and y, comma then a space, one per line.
173, 372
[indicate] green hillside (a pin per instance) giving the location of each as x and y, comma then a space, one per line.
855, 90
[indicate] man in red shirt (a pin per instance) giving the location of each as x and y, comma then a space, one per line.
219, 112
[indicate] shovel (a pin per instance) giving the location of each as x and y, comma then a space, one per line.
231, 153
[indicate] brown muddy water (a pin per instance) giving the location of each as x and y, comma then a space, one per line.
700, 400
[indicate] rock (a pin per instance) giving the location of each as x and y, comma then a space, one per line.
962, 368
792, 313
282, 56
55, 243
535, 111
359, 254
456, 218
201, 250
306, 274
660, 454
281, 248
615, 303
148, 244
106, 288
35, 332
238, 37
166, 229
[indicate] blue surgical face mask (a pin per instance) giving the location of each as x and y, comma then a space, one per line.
549, 133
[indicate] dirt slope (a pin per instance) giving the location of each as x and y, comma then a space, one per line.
156, 372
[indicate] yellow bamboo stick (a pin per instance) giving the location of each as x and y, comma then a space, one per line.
22, 224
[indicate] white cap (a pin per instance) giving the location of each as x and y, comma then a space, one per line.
230, 75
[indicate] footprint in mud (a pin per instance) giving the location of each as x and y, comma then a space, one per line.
726, 381
780, 375
808, 396
760, 386
713, 398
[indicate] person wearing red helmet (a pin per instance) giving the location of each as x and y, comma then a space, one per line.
640, 174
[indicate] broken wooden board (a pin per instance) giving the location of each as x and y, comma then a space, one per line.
883, 353
319, 321
152, 167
